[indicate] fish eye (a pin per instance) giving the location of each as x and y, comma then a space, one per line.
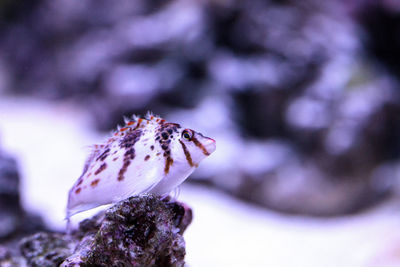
187, 134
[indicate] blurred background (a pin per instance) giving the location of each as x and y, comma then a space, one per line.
302, 97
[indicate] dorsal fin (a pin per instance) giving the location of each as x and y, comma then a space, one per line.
138, 122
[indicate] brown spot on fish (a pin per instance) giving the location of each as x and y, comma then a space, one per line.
152, 147
129, 154
147, 158
130, 123
123, 170
94, 182
130, 139
187, 154
104, 155
138, 123
200, 145
80, 181
128, 143
78, 190
114, 159
164, 146
101, 168
164, 135
168, 163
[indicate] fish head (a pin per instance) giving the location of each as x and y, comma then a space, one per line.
192, 147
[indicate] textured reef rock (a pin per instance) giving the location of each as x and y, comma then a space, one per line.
14, 220
139, 231
45, 249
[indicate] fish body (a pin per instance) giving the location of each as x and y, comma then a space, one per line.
146, 155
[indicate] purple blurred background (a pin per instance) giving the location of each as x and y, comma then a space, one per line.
302, 97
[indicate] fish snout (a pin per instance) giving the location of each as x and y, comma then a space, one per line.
210, 145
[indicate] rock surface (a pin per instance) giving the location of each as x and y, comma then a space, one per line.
139, 231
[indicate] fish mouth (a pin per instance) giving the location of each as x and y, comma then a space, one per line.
206, 144
210, 145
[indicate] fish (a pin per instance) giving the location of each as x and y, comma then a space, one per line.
145, 156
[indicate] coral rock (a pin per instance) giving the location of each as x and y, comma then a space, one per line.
139, 231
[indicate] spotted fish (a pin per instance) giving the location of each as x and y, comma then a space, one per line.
146, 155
